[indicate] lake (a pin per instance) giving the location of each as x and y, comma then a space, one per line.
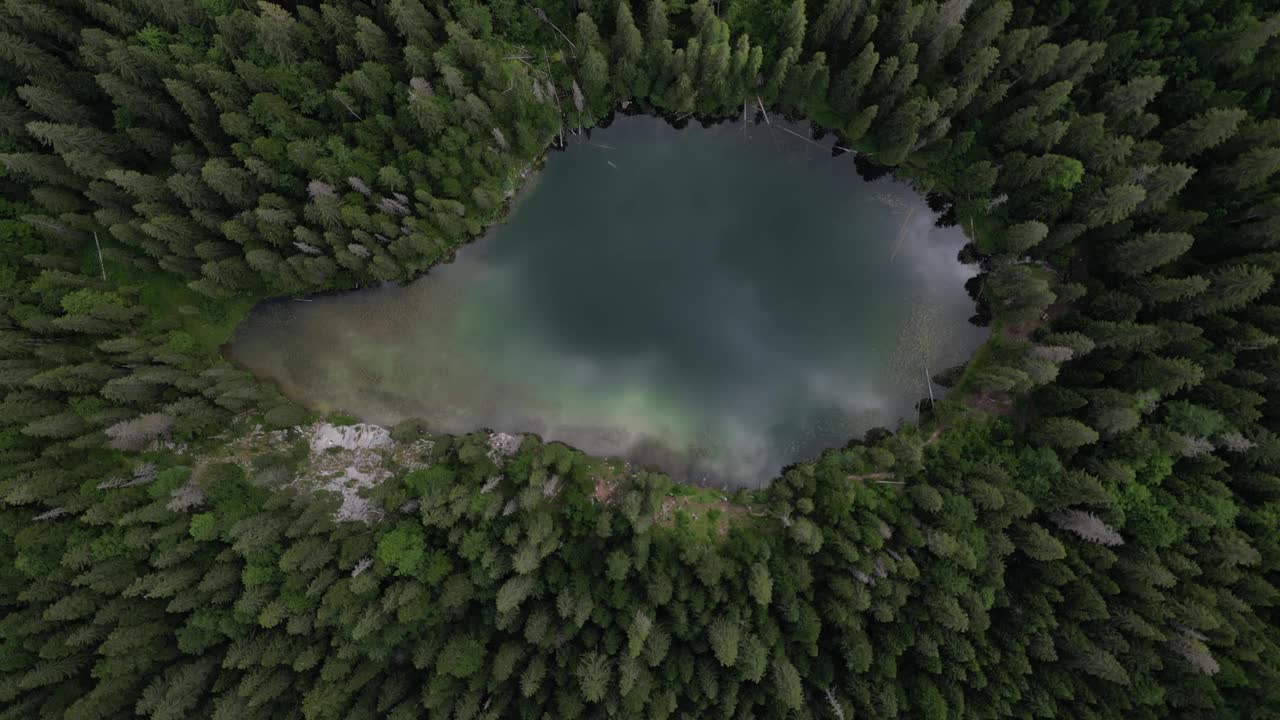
720, 302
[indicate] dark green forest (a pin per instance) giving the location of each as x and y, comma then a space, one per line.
1086, 529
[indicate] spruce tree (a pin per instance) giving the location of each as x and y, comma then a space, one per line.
628, 54
852, 80
1149, 251
791, 34
1203, 132
1022, 237
1232, 287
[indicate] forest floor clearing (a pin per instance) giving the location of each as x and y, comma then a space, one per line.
607, 484
991, 403
710, 509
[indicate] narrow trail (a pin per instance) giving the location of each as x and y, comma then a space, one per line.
933, 436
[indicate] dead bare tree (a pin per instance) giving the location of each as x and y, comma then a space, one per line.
1087, 526
551, 86
136, 433
578, 101
542, 15
762, 110
814, 142
101, 265
836, 709
342, 98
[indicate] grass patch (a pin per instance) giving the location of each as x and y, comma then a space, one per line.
171, 305
980, 361
695, 492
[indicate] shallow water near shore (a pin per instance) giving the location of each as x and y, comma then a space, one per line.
719, 302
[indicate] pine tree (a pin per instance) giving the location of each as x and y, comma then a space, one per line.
944, 30
628, 53
277, 33
806, 83
413, 20
1132, 97
744, 65
1240, 47
833, 24
1149, 251
982, 31
1019, 290
657, 29
761, 584
1104, 665
595, 81
778, 77
1232, 287
974, 74
791, 34
1203, 132
851, 81
1055, 172
587, 36
28, 58
54, 105
787, 684
638, 633
861, 123
1022, 237
1076, 59
681, 94
903, 131
231, 183
1113, 204
74, 140
713, 80
1163, 183
594, 674
1039, 544
1160, 290
1163, 375
1251, 168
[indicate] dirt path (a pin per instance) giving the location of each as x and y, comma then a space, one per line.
933, 436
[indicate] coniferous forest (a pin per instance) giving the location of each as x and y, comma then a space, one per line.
1086, 528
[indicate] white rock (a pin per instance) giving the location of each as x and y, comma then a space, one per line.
349, 437
504, 445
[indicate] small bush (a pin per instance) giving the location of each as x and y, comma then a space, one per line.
286, 416
407, 431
